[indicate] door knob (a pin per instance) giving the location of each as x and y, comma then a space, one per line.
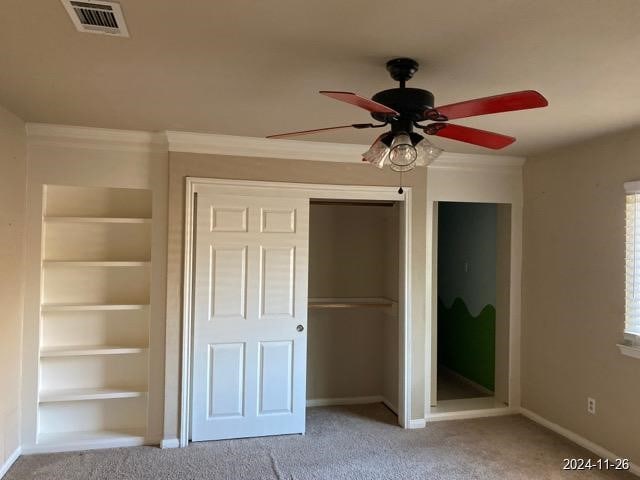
300, 328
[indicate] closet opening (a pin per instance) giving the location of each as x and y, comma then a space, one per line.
310, 315
473, 251
353, 342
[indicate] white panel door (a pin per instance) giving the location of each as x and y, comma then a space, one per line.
250, 316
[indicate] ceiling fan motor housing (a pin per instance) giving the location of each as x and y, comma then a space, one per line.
411, 103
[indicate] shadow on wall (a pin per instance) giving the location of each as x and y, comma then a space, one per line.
466, 344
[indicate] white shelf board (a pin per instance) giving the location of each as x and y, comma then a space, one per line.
70, 307
350, 302
54, 219
85, 350
68, 441
102, 263
82, 394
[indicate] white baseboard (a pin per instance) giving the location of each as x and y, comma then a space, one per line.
417, 423
575, 438
169, 443
469, 414
4, 468
326, 402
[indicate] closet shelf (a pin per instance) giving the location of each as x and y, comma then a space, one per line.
70, 307
87, 350
82, 394
350, 303
105, 263
55, 219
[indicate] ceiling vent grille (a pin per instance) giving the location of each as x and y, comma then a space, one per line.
95, 16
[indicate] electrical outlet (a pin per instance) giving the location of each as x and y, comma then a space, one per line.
591, 405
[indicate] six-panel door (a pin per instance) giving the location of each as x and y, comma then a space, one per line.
250, 316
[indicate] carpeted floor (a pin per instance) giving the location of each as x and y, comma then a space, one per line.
356, 442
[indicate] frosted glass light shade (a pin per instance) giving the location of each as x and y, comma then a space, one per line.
377, 153
427, 152
401, 151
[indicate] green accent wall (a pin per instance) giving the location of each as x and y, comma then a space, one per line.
466, 344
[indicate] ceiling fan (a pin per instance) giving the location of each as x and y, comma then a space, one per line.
405, 108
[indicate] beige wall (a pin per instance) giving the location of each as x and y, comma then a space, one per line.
13, 170
182, 165
353, 252
573, 291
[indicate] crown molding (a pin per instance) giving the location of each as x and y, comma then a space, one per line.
263, 147
319, 151
47, 134
477, 161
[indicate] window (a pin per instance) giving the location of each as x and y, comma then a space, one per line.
632, 287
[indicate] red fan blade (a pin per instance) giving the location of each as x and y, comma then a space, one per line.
317, 130
358, 101
506, 102
469, 135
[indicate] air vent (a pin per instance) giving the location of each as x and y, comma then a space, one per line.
94, 16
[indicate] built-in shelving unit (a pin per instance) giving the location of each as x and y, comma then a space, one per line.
94, 317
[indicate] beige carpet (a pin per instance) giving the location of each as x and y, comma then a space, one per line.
359, 442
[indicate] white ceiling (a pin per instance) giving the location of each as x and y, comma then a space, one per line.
253, 68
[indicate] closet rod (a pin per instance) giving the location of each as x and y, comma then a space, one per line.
353, 203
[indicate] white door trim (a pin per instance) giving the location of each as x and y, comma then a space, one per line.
315, 191
446, 184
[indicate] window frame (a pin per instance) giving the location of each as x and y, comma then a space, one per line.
631, 345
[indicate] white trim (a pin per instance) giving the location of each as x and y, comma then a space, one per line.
476, 162
262, 147
4, 468
74, 445
405, 315
45, 134
629, 350
184, 417
467, 414
327, 402
484, 183
341, 192
417, 423
575, 438
169, 443
462, 415
312, 190
632, 187
208, 143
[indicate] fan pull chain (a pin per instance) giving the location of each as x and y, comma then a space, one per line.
400, 190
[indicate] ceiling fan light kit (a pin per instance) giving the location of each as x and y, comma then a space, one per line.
403, 109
